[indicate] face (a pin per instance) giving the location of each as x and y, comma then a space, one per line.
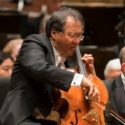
67, 41
6, 68
123, 68
114, 73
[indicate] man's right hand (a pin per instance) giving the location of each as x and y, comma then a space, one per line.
93, 92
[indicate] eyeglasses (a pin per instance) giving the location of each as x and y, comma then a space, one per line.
72, 35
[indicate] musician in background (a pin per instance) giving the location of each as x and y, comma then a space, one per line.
6, 64
116, 88
112, 69
39, 72
13, 46
37, 25
47, 9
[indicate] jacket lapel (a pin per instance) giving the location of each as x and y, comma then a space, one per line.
119, 95
50, 49
48, 44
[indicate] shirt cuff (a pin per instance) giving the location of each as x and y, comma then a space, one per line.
77, 79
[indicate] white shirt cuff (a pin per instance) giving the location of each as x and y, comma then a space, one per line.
77, 79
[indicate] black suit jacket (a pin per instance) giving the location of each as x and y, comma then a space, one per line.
33, 81
116, 97
4, 86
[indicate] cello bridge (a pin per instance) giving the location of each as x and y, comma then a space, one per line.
91, 116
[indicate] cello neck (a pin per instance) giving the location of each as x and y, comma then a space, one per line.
81, 65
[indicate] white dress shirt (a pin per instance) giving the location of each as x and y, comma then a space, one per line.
59, 62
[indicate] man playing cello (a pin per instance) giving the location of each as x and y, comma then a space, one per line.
37, 75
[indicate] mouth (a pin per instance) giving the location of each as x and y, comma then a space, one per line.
74, 47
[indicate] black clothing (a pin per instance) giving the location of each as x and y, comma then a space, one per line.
116, 98
33, 81
4, 86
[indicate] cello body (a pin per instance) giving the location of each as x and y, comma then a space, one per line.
82, 111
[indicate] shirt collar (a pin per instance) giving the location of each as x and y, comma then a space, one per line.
57, 54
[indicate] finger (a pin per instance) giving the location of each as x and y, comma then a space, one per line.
94, 94
88, 59
86, 56
91, 91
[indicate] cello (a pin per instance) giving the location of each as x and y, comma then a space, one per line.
81, 110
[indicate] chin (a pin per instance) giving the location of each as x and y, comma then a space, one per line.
70, 54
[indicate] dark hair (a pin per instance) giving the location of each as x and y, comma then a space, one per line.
58, 19
4, 56
122, 55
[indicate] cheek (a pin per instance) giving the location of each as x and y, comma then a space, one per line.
115, 73
2, 72
67, 41
63, 42
65, 46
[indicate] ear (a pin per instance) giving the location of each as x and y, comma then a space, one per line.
123, 67
54, 34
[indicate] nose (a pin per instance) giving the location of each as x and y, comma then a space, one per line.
9, 72
76, 41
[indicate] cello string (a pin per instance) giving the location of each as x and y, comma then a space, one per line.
81, 65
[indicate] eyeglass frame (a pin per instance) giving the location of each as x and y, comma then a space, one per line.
74, 35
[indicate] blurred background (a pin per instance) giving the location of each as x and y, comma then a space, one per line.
104, 19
